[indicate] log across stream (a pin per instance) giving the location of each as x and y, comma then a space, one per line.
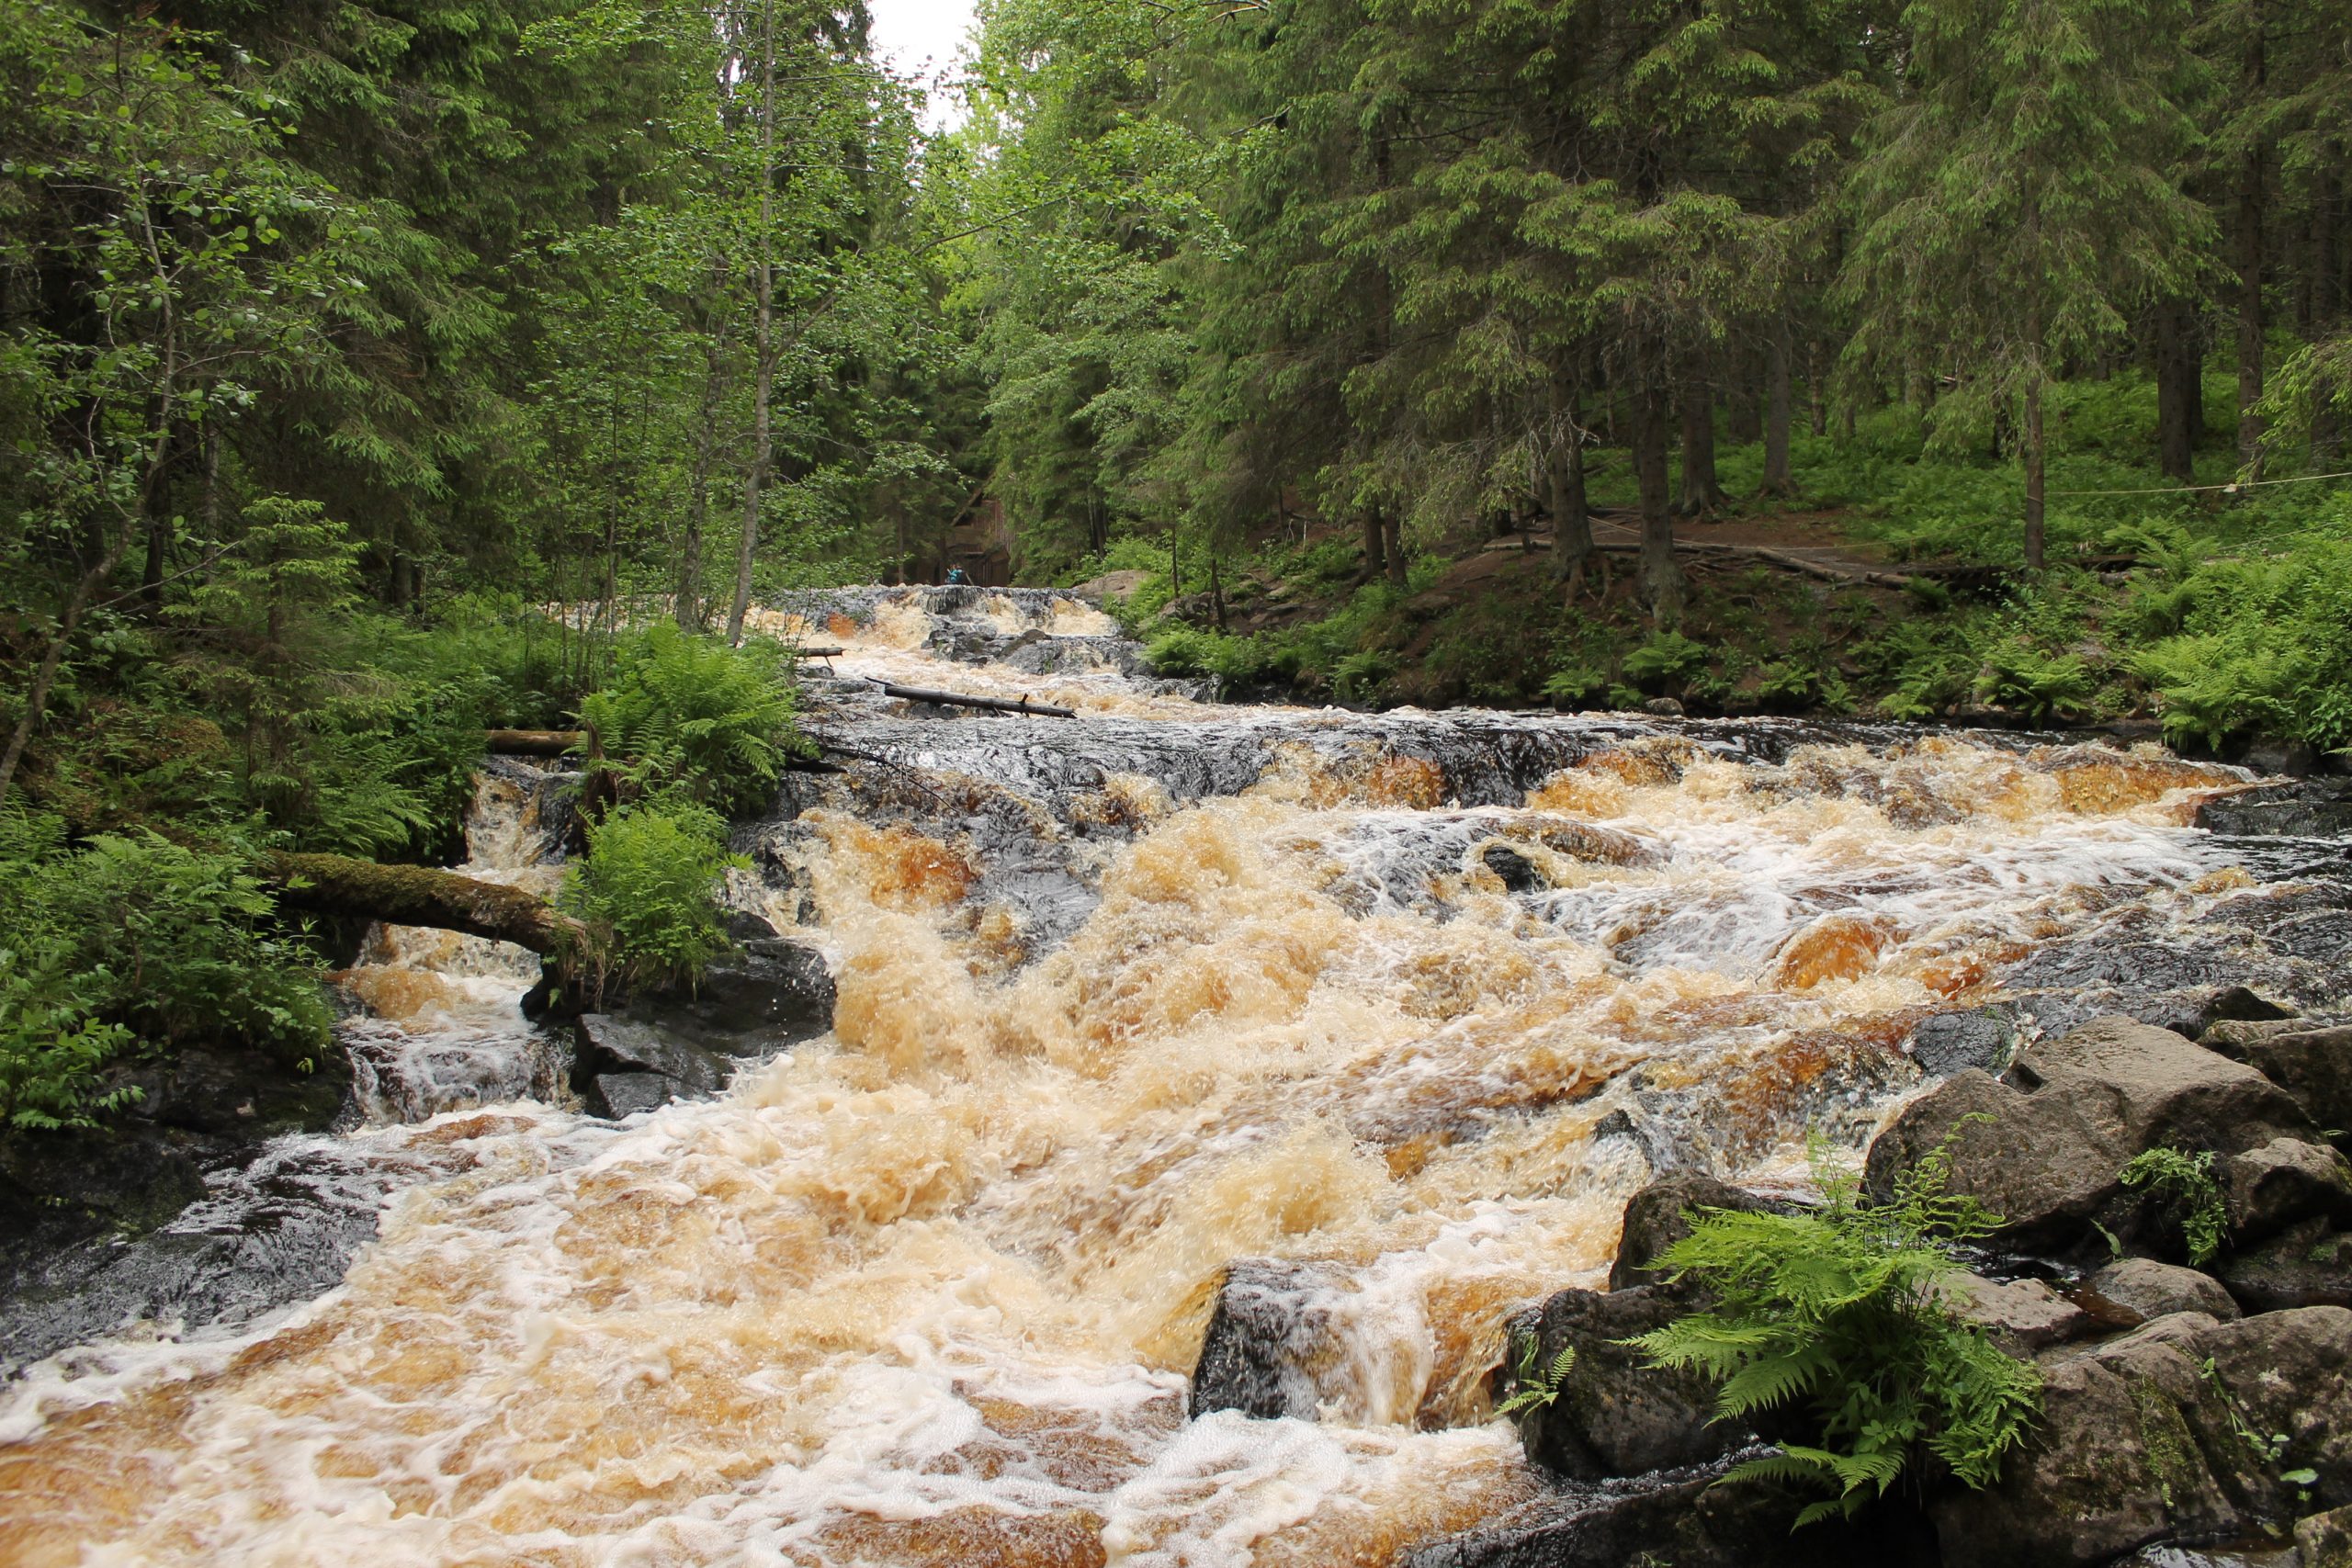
1407, 1004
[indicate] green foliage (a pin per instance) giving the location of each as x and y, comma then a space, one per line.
1665, 658
1837, 1309
133, 944
1537, 1386
692, 717
2184, 1185
647, 891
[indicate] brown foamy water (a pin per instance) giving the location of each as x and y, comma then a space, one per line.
926, 1291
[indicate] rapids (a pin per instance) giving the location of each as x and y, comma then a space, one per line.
1413, 1000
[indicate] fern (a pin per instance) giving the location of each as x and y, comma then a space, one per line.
1837, 1310
1538, 1386
691, 716
2184, 1184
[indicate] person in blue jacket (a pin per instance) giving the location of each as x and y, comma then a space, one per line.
956, 577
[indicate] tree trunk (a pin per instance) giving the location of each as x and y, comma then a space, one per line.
1662, 581
764, 351
2249, 265
2177, 390
2033, 477
1778, 480
687, 607
1392, 530
1818, 406
1702, 495
1744, 407
1376, 544
1564, 482
421, 896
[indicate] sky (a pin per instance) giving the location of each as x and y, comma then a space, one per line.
909, 33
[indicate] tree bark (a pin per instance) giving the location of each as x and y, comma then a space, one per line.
687, 606
421, 896
1662, 582
1819, 407
1565, 487
2249, 267
1376, 544
2034, 473
2177, 390
764, 354
1392, 531
1702, 494
1778, 480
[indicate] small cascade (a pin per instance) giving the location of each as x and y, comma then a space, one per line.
1328, 1040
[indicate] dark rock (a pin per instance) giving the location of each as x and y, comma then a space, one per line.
770, 995
1656, 1219
1685, 1518
744, 926
2282, 1183
2314, 1065
615, 1095
1270, 1333
2306, 808
2237, 1004
2324, 1541
1518, 873
610, 1046
2146, 1289
2043, 1149
2144, 1439
1983, 1038
2309, 1265
1613, 1414
2233, 1037
1663, 708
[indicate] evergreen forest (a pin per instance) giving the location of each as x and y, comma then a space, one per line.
374, 374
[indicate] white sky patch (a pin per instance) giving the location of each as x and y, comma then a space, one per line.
921, 37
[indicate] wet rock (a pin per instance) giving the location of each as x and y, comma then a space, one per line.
2148, 1290
2309, 1265
615, 1095
2021, 1317
2237, 1004
2233, 1037
2310, 808
771, 993
1658, 1216
1270, 1331
1663, 708
1613, 1414
1688, 1517
1983, 1038
1518, 873
2043, 1149
616, 1045
2283, 1182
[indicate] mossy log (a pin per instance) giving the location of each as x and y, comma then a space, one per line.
534, 742
423, 896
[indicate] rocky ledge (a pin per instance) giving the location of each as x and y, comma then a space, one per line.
2190, 1415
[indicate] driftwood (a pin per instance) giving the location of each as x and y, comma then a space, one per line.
533, 742
992, 704
422, 896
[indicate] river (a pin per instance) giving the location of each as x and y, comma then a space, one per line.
1412, 1002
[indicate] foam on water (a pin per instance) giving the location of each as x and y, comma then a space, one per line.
925, 1290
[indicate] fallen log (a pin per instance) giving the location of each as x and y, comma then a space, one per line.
422, 896
533, 742
991, 705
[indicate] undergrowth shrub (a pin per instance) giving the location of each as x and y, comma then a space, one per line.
647, 890
2185, 1189
131, 944
1837, 1309
692, 717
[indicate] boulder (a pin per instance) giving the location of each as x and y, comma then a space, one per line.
1981, 1037
2283, 1183
2236, 1004
2324, 1541
2021, 1317
1613, 1414
2144, 1440
2314, 1065
1268, 1336
615, 1095
1519, 874
608, 1044
2043, 1148
2310, 1265
1656, 1217
2305, 808
2143, 1289
2231, 1037
770, 994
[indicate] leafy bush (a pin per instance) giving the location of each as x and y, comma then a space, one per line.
1665, 658
1839, 1308
133, 943
647, 892
2183, 1184
2017, 674
1574, 684
691, 716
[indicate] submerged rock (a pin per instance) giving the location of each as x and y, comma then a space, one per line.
2308, 808
1268, 1334
1983, 1038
